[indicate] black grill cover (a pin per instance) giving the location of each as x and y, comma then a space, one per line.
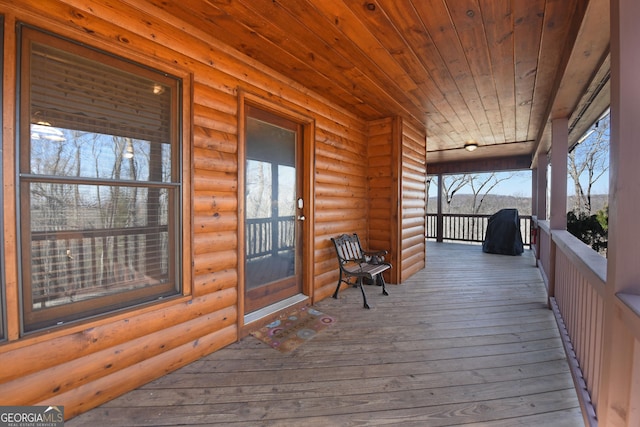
503, 233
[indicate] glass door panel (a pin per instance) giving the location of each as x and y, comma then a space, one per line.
272, 230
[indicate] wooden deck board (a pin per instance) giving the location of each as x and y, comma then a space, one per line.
468, 341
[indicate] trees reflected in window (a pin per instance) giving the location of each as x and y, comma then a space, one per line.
99, 185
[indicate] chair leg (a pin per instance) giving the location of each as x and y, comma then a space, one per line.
381, 281
335, 294
364, 297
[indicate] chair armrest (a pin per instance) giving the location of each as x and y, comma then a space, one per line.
375, 253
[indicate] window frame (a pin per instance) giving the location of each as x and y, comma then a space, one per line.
33, 320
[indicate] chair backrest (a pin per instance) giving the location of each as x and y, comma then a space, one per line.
348, 248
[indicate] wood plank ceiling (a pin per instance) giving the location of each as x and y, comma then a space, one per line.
492, 71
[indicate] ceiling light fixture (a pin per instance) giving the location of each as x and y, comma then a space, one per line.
128, 152
158, 89
470, 145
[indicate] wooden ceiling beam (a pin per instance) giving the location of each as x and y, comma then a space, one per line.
500, 164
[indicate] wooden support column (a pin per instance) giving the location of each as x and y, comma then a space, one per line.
558, 212
535, 238
560, 149
439, 219
619, 398
541, 208
534, 191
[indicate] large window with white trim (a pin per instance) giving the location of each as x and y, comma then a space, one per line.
99, 182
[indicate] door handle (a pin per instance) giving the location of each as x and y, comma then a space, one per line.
301, 218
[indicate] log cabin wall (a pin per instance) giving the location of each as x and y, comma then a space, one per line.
341, 194
414, 201
397, 194
84, 364
383, 213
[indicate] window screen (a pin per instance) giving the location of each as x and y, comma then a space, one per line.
99, 186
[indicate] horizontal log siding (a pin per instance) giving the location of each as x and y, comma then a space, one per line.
414, 201
381, 190
89, 364
397, 152
340, 194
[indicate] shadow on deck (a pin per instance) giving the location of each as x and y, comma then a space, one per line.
467, 341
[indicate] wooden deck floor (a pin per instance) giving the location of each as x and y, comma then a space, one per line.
468, 341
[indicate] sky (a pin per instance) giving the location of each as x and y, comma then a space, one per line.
520, 185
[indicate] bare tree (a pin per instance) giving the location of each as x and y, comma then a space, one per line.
258, 203
589, 157
482, 185
431, 180
451, 184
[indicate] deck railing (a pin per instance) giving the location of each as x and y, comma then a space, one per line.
470, 227
576, 278
261, 236
71, 265
579, 296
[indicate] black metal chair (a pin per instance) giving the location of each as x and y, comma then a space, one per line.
359, 264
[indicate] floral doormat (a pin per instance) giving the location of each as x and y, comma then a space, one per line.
290, 330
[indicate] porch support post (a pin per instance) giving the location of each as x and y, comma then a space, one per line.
534, 191
619, 397
534, 232
439, 219
558, 216
559, 154
541, 208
